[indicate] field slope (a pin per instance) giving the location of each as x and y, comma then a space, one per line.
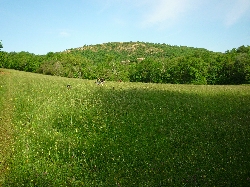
121, 134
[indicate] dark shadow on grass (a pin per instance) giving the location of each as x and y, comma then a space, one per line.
146, 137
164, 138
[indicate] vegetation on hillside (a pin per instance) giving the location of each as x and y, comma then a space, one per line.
139, 62
122, 134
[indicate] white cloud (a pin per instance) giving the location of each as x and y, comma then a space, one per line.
163, 11
64, 34
167, 12
236, 11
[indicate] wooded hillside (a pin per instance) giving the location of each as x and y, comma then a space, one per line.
139, 62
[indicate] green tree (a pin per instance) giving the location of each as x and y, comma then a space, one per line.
240, 70
186, 70
243, 49
147, 70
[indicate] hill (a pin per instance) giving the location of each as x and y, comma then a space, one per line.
139, 62
134, 51
121, 134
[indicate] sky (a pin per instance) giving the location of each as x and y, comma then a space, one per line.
42, 26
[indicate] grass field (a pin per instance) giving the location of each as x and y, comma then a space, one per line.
121, 134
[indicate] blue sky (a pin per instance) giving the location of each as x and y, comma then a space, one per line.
42, 26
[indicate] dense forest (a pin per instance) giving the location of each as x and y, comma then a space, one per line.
138, 62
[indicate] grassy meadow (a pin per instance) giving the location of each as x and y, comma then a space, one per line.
121, 134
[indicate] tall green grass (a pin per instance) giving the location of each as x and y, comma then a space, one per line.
6, 137
126, 134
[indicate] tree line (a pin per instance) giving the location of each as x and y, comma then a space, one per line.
138, 62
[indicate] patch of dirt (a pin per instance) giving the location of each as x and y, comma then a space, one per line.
4, 72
